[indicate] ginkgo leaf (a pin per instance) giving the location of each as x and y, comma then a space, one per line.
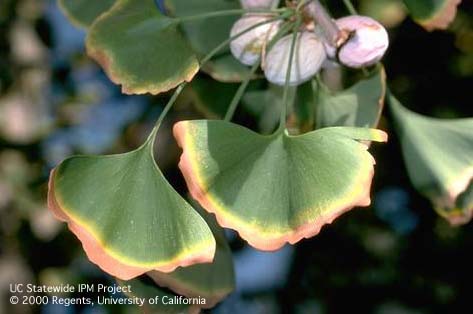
83, 12
360, 105
157, 300
433, 14
439, 157
127, 216
206, 34
279, 188
140, 48
211, 281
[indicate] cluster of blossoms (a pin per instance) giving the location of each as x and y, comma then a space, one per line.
360, 41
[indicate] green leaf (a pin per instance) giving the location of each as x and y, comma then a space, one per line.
140, 48
206, 34
305, 100
433, 14
138, 289
265, 105
83, 12
127, 216
210, 97
213, 281
439, 157
361, 105
279, 188
225, 68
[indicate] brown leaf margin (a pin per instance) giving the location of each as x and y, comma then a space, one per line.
99, 256
360, 197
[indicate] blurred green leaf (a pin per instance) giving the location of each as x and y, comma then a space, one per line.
210, 97
439, 158
304, 102
433, 14
265, 105
390, 13
361, 105
140, 48
211, 281
83, 12
275, 189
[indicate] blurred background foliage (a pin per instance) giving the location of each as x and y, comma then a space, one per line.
397, 257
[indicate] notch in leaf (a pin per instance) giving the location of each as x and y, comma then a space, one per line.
140, 48
127, 216
275, 189
439, 158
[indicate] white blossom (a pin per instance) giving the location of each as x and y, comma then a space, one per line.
247, 48
259, 4
309, 55
367, 43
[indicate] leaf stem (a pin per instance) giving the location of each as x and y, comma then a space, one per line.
350, 7
229, 12
152, 136
285, 102
239, 93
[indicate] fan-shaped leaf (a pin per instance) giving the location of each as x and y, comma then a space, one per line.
433, 14
83, 12
439, 157
361, 105
213, 281
140, 48
279, 188
127, 216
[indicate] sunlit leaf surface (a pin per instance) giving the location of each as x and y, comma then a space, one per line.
275, 189
127, 216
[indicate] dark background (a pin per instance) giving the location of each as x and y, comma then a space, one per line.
396, 257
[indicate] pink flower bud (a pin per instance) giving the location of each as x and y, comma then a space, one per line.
259, 4
247, 48
309, 54
367, 43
